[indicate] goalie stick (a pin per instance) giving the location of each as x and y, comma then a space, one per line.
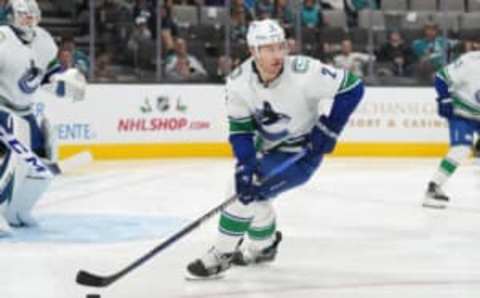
90, 279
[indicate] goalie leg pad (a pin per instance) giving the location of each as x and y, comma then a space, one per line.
27, 186
18, 212
10, 174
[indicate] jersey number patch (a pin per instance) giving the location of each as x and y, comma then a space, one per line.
328, 72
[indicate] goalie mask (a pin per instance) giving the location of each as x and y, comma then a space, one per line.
25, 16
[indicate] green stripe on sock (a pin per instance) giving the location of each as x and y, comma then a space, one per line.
448, 166
234, 225
262, 232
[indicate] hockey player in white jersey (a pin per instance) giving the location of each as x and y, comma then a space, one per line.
273, 109
25, 53
458, 99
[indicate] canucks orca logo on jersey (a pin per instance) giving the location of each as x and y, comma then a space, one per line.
272, 125
31, 79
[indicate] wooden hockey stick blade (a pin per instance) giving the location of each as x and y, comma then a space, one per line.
73, 162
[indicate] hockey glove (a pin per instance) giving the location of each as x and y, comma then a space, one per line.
323, 137
445, 107
246, 183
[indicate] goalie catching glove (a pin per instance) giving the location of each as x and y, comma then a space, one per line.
70, 84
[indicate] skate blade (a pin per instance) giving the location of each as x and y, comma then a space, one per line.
434, 205
191, 277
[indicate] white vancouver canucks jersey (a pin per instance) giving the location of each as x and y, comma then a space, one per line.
23, 66
286, 110
463, 80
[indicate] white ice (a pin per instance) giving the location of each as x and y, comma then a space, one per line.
355, 230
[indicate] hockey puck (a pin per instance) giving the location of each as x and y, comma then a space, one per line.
93, 296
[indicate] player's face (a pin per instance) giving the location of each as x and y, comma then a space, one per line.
25, 19
270, 58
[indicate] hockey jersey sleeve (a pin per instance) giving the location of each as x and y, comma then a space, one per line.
345, 101
343, 87
241, 127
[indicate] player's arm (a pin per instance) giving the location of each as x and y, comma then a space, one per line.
328, 127
241, 138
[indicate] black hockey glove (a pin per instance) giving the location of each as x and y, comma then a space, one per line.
246, 183
323, 137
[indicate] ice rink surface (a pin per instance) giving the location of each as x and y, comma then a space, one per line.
355, 230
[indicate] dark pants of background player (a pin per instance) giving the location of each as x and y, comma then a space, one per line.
295, 175
462, 131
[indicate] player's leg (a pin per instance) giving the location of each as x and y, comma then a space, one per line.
262, 238
9, 165
261, 243
234, 222
257, 218
31, 185
461, 138
7, 170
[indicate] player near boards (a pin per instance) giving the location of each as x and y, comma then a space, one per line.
273, 112
459, 103
26, 50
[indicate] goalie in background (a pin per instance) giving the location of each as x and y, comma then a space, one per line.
458, 102
273, 101
26, 51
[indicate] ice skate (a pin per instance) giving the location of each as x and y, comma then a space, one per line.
210, 266
435, 197
247, 255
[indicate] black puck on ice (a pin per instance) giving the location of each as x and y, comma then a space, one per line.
93, 296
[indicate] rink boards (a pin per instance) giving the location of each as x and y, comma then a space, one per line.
151, 121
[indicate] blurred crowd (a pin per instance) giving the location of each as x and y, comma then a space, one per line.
202, 40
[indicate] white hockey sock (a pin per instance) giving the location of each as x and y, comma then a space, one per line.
234, 222
455, 156
263, 226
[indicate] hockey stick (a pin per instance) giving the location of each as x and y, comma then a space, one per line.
49, 170
94, 280
71, 163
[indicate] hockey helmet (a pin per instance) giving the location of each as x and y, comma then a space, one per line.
264, 32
